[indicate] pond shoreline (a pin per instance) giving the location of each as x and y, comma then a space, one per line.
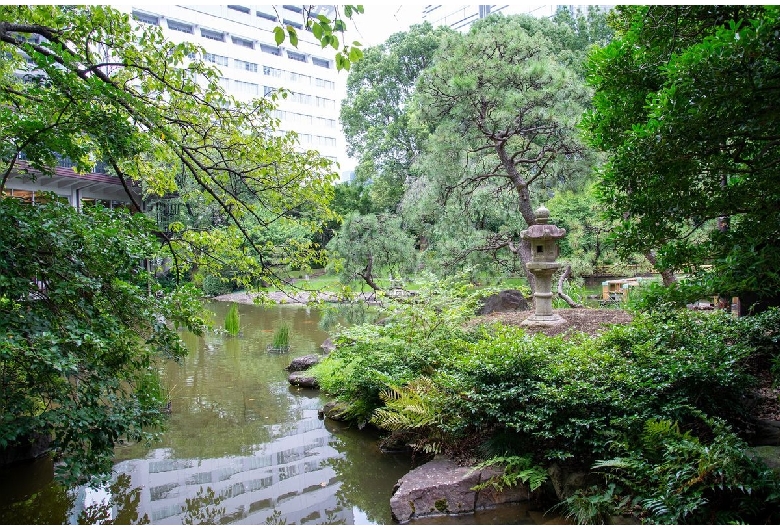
286, 298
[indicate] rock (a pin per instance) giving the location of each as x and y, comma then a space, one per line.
335, 410
299, 364
767, 433
31, 449
509, 300
443, 487
302, 379
567, 482
328, 346
769, 455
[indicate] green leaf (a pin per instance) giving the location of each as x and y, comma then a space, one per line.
316, 29
355, 54
279, 35
293, 36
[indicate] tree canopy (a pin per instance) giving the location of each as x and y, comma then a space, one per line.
83, 321
503, 106
376, 112
686, 104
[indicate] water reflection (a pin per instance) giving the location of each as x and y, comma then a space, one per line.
242, 446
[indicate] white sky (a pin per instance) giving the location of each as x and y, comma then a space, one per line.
379, 21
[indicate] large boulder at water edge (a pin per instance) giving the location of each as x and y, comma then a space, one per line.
509, 300
328, 346
302, 379
442, 487
299, 364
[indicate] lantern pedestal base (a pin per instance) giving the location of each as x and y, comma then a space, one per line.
543, 321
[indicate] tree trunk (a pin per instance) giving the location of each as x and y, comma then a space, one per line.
566, 298
368, 276
523, 251
667, 275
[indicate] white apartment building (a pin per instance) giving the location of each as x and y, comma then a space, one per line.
462, 17
239, 40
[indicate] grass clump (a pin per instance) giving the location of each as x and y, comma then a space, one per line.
282, 336
233, 320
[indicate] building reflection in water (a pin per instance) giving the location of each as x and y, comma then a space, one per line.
285, 481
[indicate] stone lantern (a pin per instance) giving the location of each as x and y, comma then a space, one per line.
543, 238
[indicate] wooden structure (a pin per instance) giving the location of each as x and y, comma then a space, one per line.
614, 291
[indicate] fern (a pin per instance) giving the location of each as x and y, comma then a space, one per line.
412, 409
517, 469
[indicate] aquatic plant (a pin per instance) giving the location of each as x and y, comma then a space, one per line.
282, 337
233, 320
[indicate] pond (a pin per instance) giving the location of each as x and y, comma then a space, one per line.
242, 446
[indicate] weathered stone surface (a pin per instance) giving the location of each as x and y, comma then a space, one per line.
490, 497
300, 364
767, 432
769, 455
28, 450
328, 346
567, 482
509, 300
302, 379
335, 410
443, 487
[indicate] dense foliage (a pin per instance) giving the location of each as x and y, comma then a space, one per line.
83, 319
83, 325
576, 402
686, 105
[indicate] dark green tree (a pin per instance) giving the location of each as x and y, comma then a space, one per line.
504, 106
375, 114
82, 324
80, 331
686, 104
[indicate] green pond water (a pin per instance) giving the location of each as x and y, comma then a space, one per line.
242, 447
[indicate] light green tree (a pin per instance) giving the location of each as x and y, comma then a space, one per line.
376, 112
82, 322
368, 245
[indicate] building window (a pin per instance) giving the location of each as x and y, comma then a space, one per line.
146, 18
213, 35
273, 72
296, 25
297, 97
294, 9
246, 88
273, 50
300, 78
267, 91
242, 9
266, 16
325, 103
180, 26
295, 56
244, 65
220, 60
246, 43
324, 83
316, 61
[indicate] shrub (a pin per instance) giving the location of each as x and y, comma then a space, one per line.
673, 477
